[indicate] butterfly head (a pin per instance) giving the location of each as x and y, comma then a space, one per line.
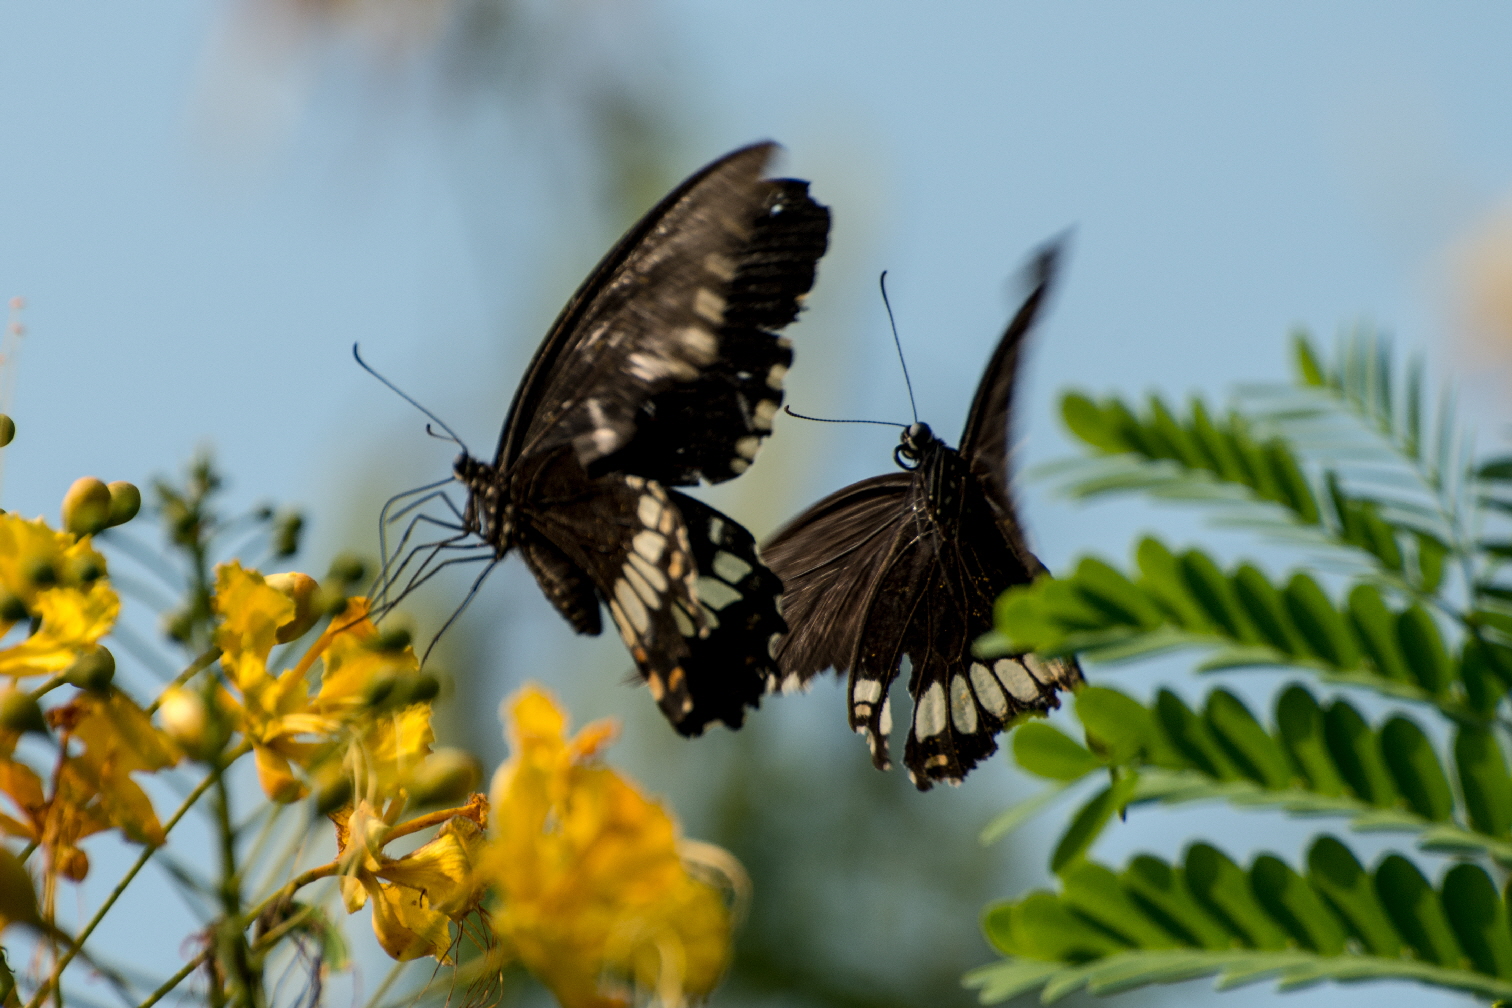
911, 446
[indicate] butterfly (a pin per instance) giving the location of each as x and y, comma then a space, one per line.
663, 369
910, 563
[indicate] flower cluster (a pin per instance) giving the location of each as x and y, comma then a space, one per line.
595, 893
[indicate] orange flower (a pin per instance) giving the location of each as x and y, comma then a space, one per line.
596, 898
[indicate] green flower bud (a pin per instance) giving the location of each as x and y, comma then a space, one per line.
347, 569
82, 570
18, 894
333, 795
424, 688
7, 430
92, 670
86, 506
286, 534
42, 573
446, 775
125, 502
12, 607
178, 625
19, 712
380, 690
391, 640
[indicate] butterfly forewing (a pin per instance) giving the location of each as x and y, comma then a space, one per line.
712, 426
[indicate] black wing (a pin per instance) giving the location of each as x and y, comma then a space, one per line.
830, 559
986, 440
678, 301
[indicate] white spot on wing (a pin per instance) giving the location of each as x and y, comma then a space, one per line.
649, 545
763, 414
647, 572
866, 690
775, 376
1017, 681
886, 720
962, 707
716, 593
700, 344
716, 530
709, 306
640, 584
648, 510
738, 466
747, 447
791, 684
621, 623
684, 622
721, 266
632, 606
730, 567
929, 712
988, 691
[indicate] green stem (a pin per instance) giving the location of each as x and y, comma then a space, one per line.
204, 661
175, 980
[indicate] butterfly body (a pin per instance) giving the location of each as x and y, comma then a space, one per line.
662, 370
910, 564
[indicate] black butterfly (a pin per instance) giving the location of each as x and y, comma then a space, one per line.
911, 563
660, 370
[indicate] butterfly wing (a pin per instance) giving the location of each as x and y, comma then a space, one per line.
830, 559
672, 304
986, 443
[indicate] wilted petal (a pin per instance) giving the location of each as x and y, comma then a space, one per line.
406, 927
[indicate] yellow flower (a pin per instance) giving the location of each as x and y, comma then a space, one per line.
415, 897
596, 898
328, 731
57, 578
93, 789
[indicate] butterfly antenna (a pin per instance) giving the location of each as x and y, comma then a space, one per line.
452, 435
885, 423
882, 282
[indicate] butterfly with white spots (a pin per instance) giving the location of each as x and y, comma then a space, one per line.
662, 370
911, 563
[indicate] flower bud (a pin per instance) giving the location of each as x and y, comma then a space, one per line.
302, 590
41, 572
347, 569
390, 640
446, 775
186, 719
333, 795
7, 430
12, 607
83, 569
125, 502
178, 625
19, 712
286, 534
92, 670
86, 506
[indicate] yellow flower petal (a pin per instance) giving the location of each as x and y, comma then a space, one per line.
405, 926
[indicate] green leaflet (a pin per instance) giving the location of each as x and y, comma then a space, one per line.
1253, 752
1320, 624
1223, 890
1090, 819
1296, 906
1479, 919
1046, 751
1205, 583
1415, 911
1354, 750
1309, 370
1377, 629
1160, 576
1119, 728
1484, 782
1415, 767
1300, 723
1335, 873
1162, 891
1191, 737
1267, 611
1423, 647
1041, 926
1094, 891
1086, 420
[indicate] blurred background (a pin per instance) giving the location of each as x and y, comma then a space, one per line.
206, 204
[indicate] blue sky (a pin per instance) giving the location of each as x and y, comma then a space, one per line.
1230, 171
